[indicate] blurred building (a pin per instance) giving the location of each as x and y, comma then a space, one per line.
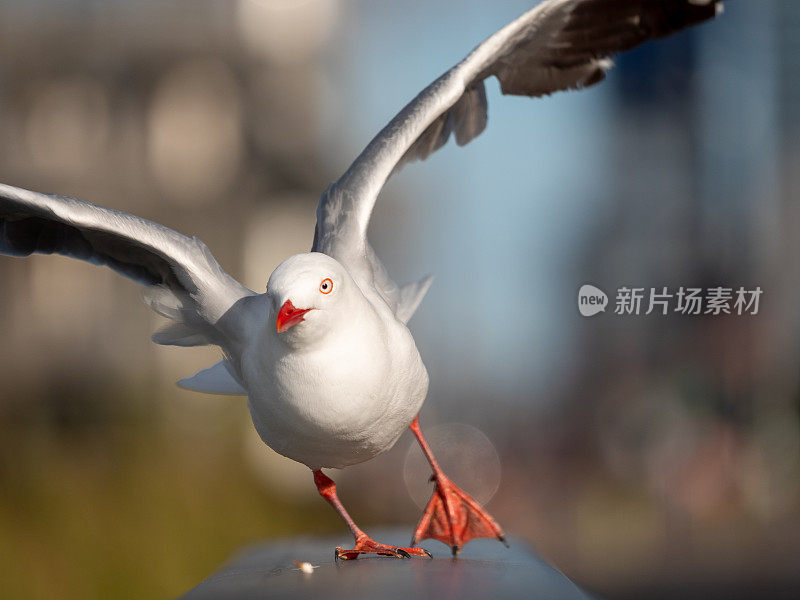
170, 111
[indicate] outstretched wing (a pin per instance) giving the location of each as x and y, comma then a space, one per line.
558, 45
183, 280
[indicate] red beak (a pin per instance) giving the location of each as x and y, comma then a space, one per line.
289, 316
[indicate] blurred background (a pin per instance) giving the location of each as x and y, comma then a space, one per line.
645, 456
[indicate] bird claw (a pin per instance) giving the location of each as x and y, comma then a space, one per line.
366, 545
454, 517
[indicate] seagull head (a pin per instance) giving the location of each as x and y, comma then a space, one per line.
307, 293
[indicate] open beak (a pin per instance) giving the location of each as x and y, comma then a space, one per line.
289, 316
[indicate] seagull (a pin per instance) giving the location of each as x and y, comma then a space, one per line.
331, 371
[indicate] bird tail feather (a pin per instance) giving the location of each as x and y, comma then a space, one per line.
411, 295
216, 379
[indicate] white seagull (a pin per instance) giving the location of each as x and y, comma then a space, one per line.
331, 372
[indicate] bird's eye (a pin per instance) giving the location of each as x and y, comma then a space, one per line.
326, 286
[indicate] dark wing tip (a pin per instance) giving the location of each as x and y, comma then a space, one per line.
571, 50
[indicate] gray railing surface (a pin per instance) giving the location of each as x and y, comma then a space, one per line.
485, 569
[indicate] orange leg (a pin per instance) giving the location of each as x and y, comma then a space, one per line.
364, 543
452, 516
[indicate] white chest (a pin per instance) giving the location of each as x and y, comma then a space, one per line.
339, 403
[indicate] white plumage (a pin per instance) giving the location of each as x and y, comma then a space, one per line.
340, 386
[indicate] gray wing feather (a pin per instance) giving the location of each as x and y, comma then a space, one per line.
558, 45
466, 119
183, 280
180, 334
